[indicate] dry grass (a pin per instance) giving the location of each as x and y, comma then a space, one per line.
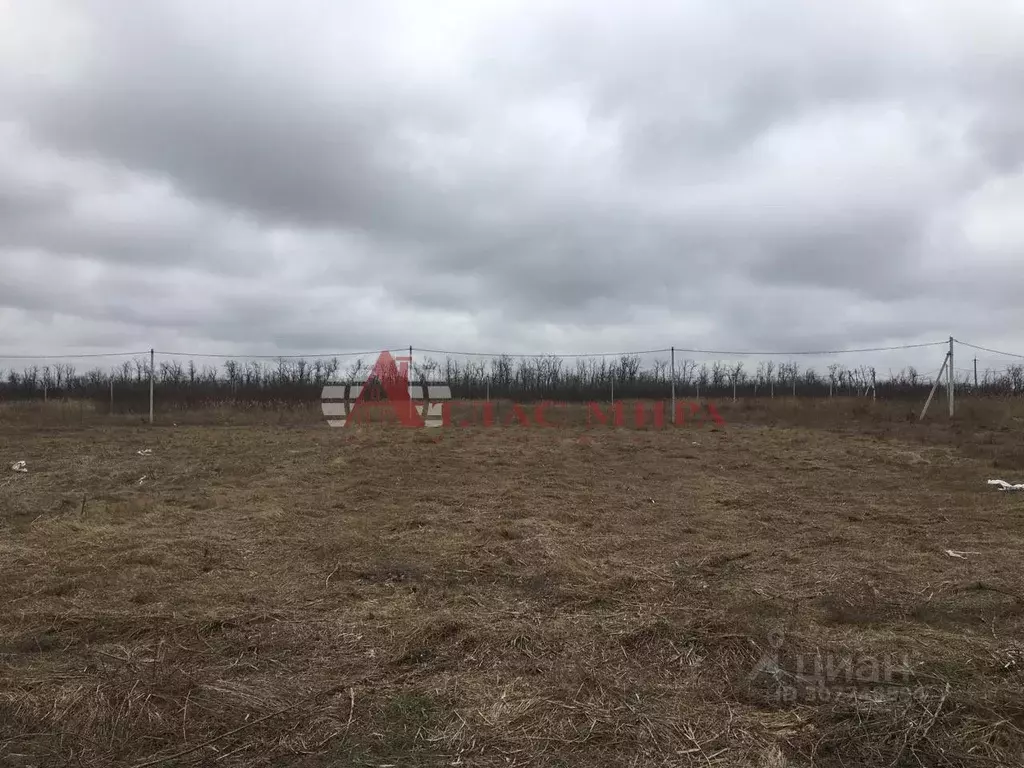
771, 593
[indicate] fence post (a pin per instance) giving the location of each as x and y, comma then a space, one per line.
111, 394
152, 363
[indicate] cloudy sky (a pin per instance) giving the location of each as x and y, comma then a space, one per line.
254, 177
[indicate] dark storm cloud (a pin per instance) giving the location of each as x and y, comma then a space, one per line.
522, 176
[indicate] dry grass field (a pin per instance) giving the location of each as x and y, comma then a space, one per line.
261, 590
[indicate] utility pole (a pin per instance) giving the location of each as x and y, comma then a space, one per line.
152, 364
673, 385
950, 374
975, 373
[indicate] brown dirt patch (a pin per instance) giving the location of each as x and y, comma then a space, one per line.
302, 596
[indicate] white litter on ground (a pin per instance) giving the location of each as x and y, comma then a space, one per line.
961, 555
1005, 486
145, 452
19, 466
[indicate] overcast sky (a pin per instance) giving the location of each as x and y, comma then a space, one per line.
557, 176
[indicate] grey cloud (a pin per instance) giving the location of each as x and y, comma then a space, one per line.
486, 175
307, 147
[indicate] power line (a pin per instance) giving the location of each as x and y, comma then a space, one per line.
986, 349
1008, 369
693, 351
539, 354
688, 350
73, 357
277, 357
812, 352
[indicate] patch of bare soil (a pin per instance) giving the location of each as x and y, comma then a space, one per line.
746, 595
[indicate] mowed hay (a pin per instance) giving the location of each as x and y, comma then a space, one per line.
735, 595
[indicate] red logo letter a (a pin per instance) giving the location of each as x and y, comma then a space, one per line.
396, 387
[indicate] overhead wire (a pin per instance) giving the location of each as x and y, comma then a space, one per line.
689, 351
279, 357
539, 354
987, 349
822, 352
662, 350
69, 356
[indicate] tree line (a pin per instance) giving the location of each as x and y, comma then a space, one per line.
296, 381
